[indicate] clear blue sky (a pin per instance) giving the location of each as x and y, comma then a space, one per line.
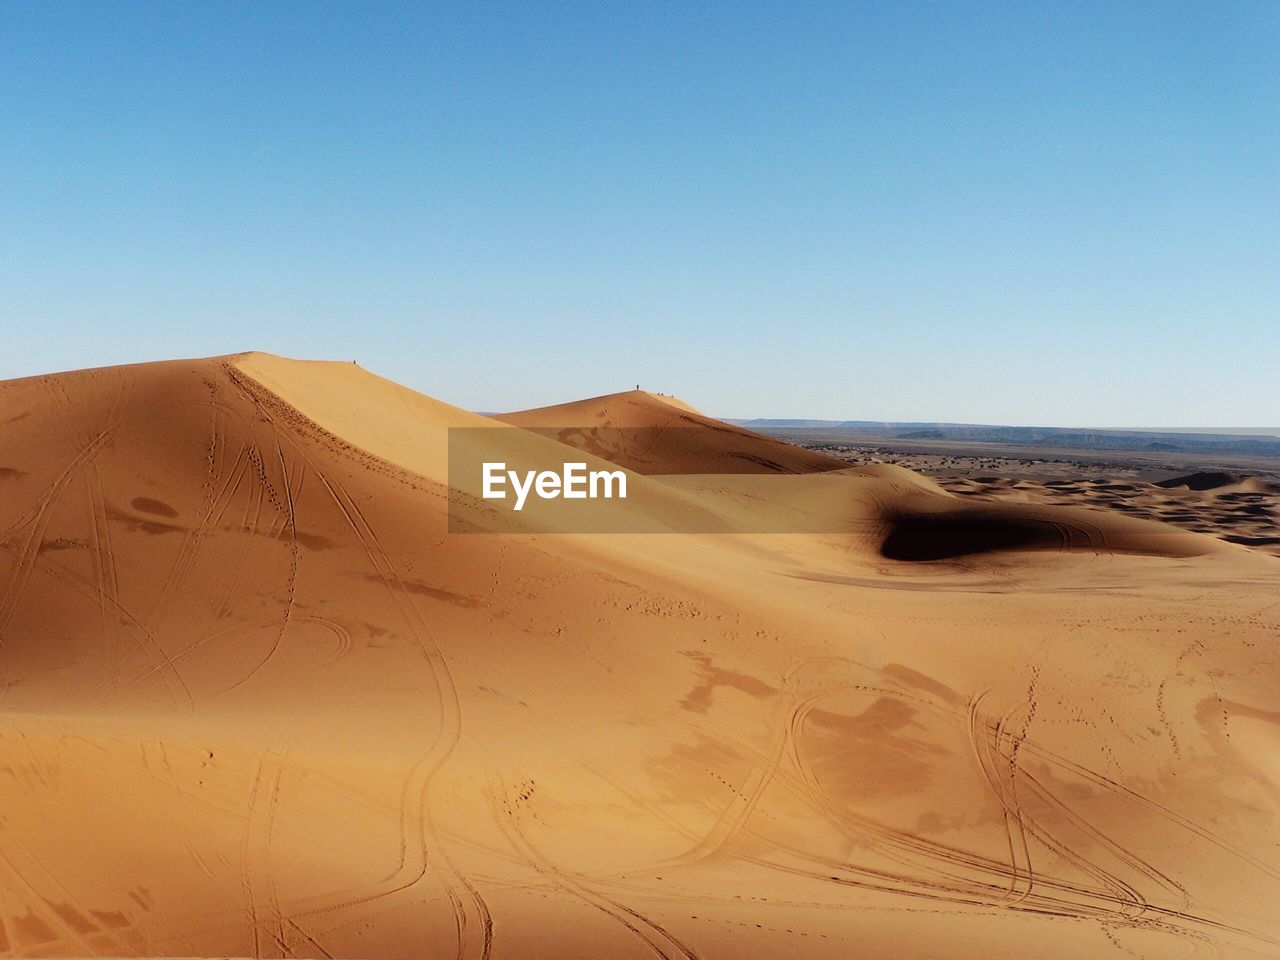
1063, 214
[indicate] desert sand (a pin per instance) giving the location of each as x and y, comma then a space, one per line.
259, 701
655, 434
1236, 506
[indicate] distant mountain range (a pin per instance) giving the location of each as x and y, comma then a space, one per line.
1255, 441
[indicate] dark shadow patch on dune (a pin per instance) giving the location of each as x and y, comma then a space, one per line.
923, 537
1260, 510
132, 523
1253, 541
710, 676
426, 590
1204, 480
313, 541
913, 678
157, 507
11, 473
71, 917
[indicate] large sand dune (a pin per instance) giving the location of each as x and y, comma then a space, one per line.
257, 700
655, 434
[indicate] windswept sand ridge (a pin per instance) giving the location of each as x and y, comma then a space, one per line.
1235, 507
1242, 510
897, 512
258, 701
650, 433
1220, 483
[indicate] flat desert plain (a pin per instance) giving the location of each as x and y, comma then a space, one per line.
259, 701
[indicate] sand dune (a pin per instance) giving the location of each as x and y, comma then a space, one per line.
1220, 483
1243, 510
655, 434
258, 700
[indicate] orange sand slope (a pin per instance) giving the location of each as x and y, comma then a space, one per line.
655, 434
257, 701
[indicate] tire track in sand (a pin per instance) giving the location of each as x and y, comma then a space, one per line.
660, 941
416, 816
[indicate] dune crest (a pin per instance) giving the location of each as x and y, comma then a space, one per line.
1218, 483
651, 433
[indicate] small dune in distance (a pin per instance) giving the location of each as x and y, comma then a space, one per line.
675, 438
262, 699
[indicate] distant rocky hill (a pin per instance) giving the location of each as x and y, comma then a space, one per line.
1172, 441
